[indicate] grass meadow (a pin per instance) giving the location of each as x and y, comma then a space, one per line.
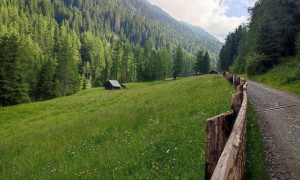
150, 130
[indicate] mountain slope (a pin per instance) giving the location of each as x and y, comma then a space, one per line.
141, 20
52, 48
189, 36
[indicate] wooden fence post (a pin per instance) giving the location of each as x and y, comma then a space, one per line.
218, 130
237, 100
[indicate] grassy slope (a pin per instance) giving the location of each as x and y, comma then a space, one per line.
285, 76
150, 130
255, 158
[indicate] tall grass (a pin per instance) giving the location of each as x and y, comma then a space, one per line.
150, 130
255, 158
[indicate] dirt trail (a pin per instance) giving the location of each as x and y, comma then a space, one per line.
279, 114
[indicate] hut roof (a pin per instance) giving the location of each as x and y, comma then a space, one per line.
115, 83
213, 72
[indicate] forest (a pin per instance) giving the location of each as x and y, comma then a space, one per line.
272, 33
54, 48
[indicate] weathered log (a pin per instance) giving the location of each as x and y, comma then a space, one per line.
218, 130
242, 81
239, 89
238, 81
236, 104
231, 164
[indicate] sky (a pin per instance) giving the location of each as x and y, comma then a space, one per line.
218, 17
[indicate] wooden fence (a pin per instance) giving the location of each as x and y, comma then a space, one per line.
226, 137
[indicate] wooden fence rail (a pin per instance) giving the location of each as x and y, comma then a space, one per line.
226, 137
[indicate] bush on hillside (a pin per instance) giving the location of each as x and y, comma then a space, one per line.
255, 64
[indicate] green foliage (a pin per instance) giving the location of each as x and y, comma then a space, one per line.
163, 63
202, 64
239, 63
206, 63
230, 49
67, 68
47, 84
198, 68
142, 132
14, 88
127, 65
116, 60
272, 32
84, 84
178, 60
298, 44
188, 64
285, 75
255, 64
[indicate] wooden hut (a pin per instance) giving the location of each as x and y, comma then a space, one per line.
113, 85
213, 72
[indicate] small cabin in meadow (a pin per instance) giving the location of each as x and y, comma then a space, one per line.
113, 85
213, 72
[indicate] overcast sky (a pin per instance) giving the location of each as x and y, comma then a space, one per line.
218, 17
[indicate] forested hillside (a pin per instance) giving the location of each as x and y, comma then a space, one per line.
273, 32
53, 48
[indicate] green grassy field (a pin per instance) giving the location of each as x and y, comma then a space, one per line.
284, 76
150, 130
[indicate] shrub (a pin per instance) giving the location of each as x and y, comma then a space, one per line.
255, 64
291, 78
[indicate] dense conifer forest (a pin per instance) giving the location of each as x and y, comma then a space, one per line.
53, 48
273, 33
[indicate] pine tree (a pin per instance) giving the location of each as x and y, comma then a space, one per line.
206, 63
139, 63
198, 68
116, 60
147, 65
127, 67
106, 74
67, 70
46, 82
178, 60
98, 63
13, 87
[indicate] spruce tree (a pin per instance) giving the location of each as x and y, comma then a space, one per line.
67, 69
198, 68
178, 60
46, 82
116, 60
206, 63
13, 86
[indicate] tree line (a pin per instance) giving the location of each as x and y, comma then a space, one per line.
271, 34
55, 48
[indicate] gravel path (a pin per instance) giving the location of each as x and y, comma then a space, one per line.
279, 114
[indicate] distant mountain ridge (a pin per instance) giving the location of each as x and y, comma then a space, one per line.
209, 43
202, 32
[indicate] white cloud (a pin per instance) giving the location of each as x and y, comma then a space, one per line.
208, 14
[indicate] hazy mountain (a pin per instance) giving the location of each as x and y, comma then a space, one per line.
189, 36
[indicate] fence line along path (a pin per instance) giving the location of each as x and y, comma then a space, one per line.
226, 137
